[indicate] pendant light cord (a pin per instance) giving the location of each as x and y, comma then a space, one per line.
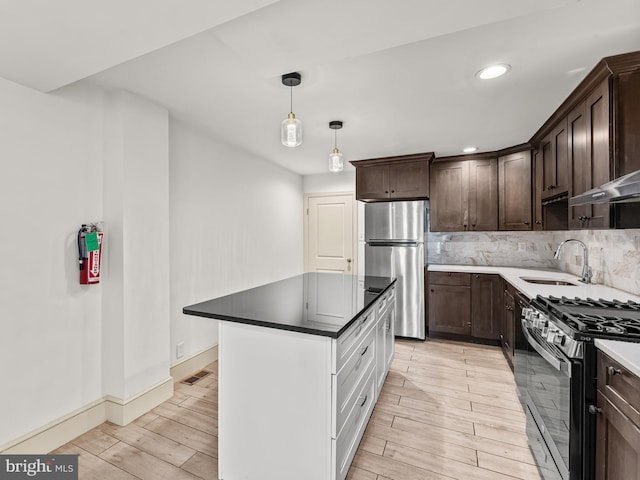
335, 133
291, 100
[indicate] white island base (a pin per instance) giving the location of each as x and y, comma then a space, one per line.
294, 406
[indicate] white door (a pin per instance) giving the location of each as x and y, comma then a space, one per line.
330, 233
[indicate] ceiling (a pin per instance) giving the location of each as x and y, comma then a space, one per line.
400, 75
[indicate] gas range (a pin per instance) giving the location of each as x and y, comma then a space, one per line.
557, 377
567, 321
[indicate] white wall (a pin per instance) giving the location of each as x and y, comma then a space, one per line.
80, 155
136, 213
50, 183
236, 222
330, 182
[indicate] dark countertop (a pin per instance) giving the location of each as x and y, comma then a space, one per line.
322, 304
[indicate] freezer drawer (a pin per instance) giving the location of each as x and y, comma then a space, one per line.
406, 264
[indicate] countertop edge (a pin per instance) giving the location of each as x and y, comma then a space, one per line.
625, 353
514, 275
291, 328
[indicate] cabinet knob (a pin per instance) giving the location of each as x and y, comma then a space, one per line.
613, 371
593, 410
477, 276
449, 273
386, 191
526, 223
468, 324
538, 222
393, 191
432, 290
465, 226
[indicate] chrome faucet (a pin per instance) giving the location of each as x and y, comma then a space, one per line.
586, 269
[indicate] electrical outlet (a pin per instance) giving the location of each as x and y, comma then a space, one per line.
447, 247
522, 247
637, 241
180, 350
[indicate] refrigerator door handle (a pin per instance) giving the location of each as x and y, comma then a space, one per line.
392, 243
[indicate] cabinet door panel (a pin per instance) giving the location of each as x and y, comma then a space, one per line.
449, 196
618, 444
548, 171
537, 189
561, 158
450, 309
577, 129
372, 182
598, 152
409, 180
514, 179
483, 195
507, 336
486, 306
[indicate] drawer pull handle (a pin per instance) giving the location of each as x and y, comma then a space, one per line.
593, 410
364, 401
614, 371
364, 350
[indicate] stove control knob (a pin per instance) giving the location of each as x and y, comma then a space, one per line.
559, 338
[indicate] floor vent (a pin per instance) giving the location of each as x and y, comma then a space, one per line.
195, 377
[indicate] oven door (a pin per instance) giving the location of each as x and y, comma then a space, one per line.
548, 398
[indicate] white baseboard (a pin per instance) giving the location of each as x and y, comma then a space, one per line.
58, 432
193, 363
121, 412
116, 410
64, 429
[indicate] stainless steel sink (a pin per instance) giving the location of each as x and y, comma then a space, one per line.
547, 281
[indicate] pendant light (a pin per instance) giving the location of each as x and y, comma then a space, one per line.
291, 132
336, 162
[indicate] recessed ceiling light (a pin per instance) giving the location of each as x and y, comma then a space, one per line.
493, 71
470, 149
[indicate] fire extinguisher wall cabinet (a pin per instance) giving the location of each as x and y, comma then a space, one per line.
89, 253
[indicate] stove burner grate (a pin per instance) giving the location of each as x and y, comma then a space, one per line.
606, 318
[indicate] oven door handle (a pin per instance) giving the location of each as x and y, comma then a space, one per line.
558, 363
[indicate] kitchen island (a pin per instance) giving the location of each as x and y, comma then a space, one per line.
301, 364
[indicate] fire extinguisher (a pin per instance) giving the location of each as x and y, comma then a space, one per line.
89, 253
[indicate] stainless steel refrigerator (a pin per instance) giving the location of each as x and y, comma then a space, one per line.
394, 246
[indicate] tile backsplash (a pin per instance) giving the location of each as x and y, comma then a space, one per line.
614, 255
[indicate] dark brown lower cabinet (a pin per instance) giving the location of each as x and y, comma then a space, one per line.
618, 425
507, 335
486, 306
465, 304
450, 303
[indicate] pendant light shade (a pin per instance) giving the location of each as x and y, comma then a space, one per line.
336, 160
291, 130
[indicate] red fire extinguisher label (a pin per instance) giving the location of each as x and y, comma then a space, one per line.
94, 262
90, 245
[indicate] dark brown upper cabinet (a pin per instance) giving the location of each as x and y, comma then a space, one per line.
464, 194
589, 148
393, 178
555, 170
537, 191
514, 191
599, 124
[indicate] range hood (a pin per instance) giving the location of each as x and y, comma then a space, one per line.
620, 190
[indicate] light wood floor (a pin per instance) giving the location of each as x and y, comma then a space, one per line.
447, 410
